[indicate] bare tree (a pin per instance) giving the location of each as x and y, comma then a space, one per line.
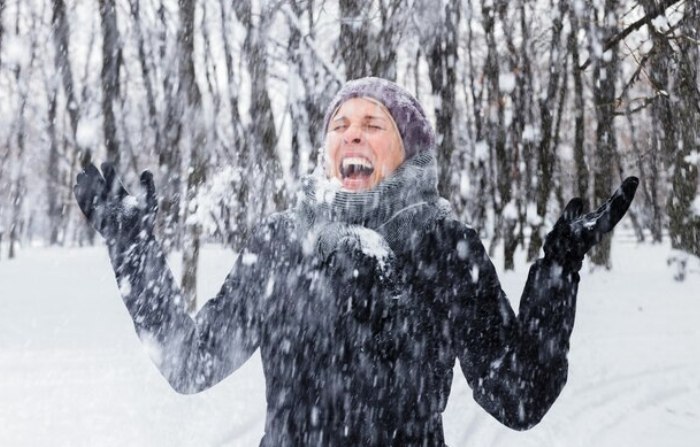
18, 188
310, 87
111, 62
441, 42
367, 50
239, 136
55, 208
61, 38
477, 169
663, 123
7, 151
61, 33
191, 99
495, 129
546, 149
301, 144
605, 100
264, 163
582, 172
169, 154
153, 115
2, 27
513, 184
354, 39
238, 151
684, 228
318, 75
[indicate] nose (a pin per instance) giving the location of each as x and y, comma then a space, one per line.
353, 134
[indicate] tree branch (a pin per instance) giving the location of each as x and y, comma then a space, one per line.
645, 103
646, 20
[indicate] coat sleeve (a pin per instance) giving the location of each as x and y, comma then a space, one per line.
193, 352
515, 365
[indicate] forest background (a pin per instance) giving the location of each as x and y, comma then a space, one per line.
534, 102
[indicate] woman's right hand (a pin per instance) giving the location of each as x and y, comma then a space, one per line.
110, 209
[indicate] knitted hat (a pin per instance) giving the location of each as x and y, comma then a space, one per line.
416, 132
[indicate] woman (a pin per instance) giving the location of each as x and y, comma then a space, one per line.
363, 295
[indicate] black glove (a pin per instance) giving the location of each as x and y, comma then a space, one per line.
119, 217
574, 234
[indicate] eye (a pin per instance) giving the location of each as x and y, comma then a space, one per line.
339, 127
374, 127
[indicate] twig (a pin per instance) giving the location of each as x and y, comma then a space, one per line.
633, 27
309, 42
645, 103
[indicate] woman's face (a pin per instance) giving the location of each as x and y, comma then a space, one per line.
363, 145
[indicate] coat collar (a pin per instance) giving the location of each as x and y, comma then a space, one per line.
388, 208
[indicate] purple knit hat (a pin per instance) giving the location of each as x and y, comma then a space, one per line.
416, 132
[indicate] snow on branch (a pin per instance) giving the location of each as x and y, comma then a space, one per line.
646, 20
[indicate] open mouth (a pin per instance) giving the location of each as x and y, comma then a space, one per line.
356, 168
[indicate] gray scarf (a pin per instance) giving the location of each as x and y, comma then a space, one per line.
401, 203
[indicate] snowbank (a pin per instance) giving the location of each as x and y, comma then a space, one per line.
72, 372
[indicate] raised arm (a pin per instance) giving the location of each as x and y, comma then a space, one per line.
517, 365
191, 353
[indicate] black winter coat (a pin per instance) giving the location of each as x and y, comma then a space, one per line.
353, 355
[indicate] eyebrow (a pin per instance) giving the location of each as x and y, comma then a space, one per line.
372, 117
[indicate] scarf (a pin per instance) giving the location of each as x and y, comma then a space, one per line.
401, 203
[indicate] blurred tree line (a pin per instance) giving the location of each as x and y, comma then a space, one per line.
534, 102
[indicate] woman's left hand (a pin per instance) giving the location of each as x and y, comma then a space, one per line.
575, 233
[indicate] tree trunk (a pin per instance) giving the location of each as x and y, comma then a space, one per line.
582, 172
546, 149
353, 40
478, 170
236, 227
53, 174
663, 121
605, 100
442, 56
169, 155
18, 187
301, 143
111, 61
387, 36
61, 32
520, 96
190, 96
78, 154
496, 136
263, 133
684, 226
153, 119
367, 51
313, 82
18, 190
2, 28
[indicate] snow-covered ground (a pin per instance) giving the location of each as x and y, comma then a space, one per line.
73, 373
